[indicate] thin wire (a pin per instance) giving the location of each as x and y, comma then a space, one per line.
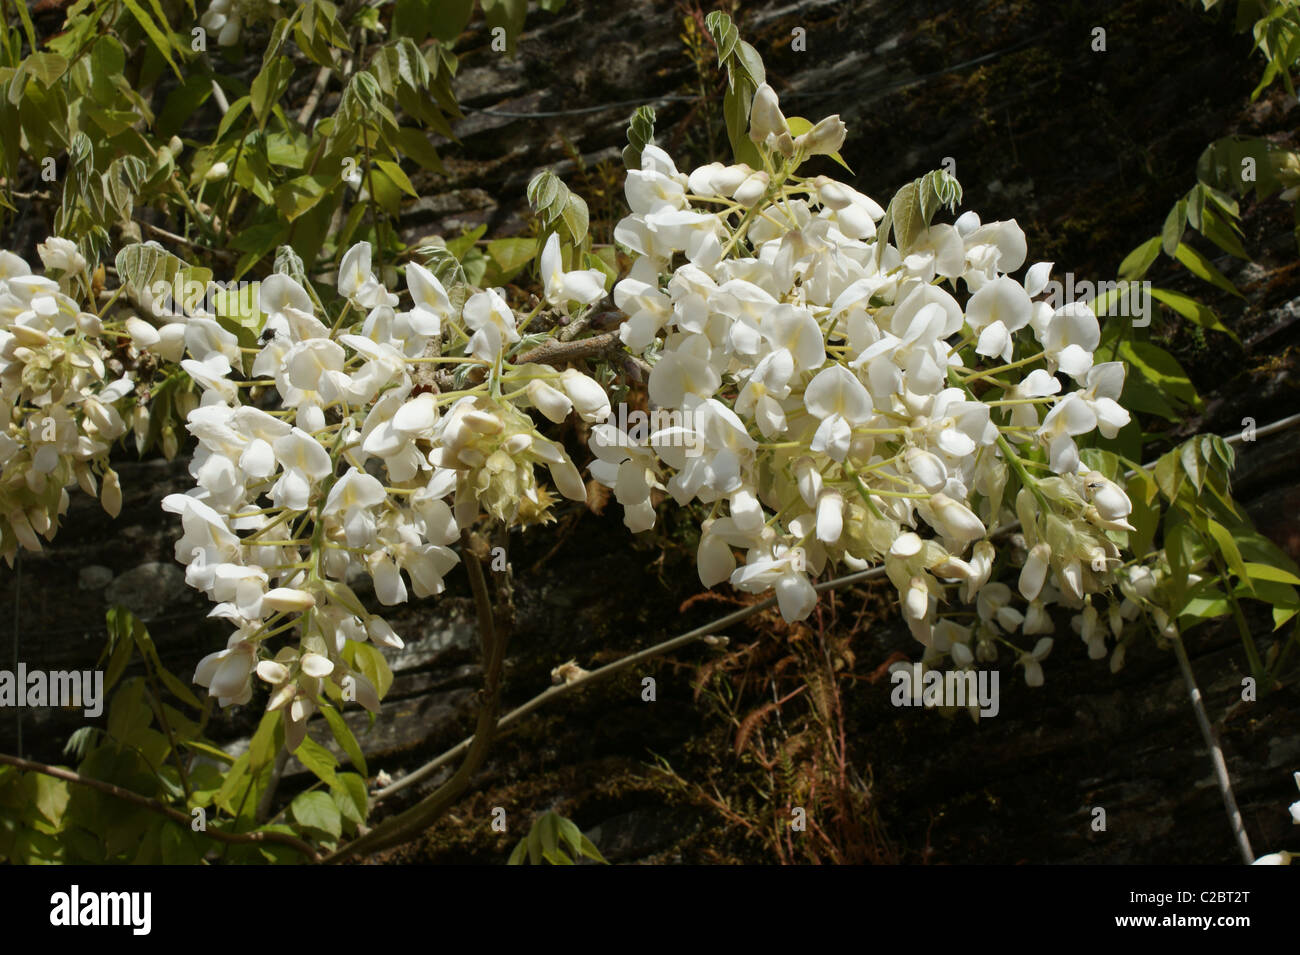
1216, 753
1279, 425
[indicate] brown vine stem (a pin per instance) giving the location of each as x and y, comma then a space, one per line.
155, 806
553, 352
409, 824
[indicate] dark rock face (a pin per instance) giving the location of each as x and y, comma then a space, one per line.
1087, 150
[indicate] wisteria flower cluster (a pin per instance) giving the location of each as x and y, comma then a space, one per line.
64, 395
359, 448
836, 399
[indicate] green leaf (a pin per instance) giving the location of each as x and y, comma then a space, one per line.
1138, 261
1141, 395
1215, 228
1175, 225
28, 28
549, 831
268, 86
517, 856
937, 190
394, 172
640, 133
1255, 571
413, 142
232, 114
343, 736
316, 810
1228, 548
159, 39
141, 264
601, 263
287, 262
237, 312
299, 196
745, 74
509, 256
51, 797
263, 746
1162, 370
1202, 268
1191, 463
121, 656
178, 846
1205, 607
1168, 475
535, 846
576, 219
47, 68
211, 751
318, 759
129, 713
373, 667
236, 776
1193, 311
351, 798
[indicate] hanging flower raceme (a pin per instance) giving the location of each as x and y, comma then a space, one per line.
849, 401
333, 452
64, 395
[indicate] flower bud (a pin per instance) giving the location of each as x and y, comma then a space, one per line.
481, 421
832, 194
927, 468
955, 520
171, 342
906, 545
89, 324
111, 493
830, 517
587, 396
1071, 580
752, 189
143, 335
917, 599
823, 139
809, 480
381, 633
551, 402
1034, 573
288, 599
765, 116
1112, 504
30, 337
218, 172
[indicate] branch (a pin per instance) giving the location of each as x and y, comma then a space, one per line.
405, 826
553, 352
155, 806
